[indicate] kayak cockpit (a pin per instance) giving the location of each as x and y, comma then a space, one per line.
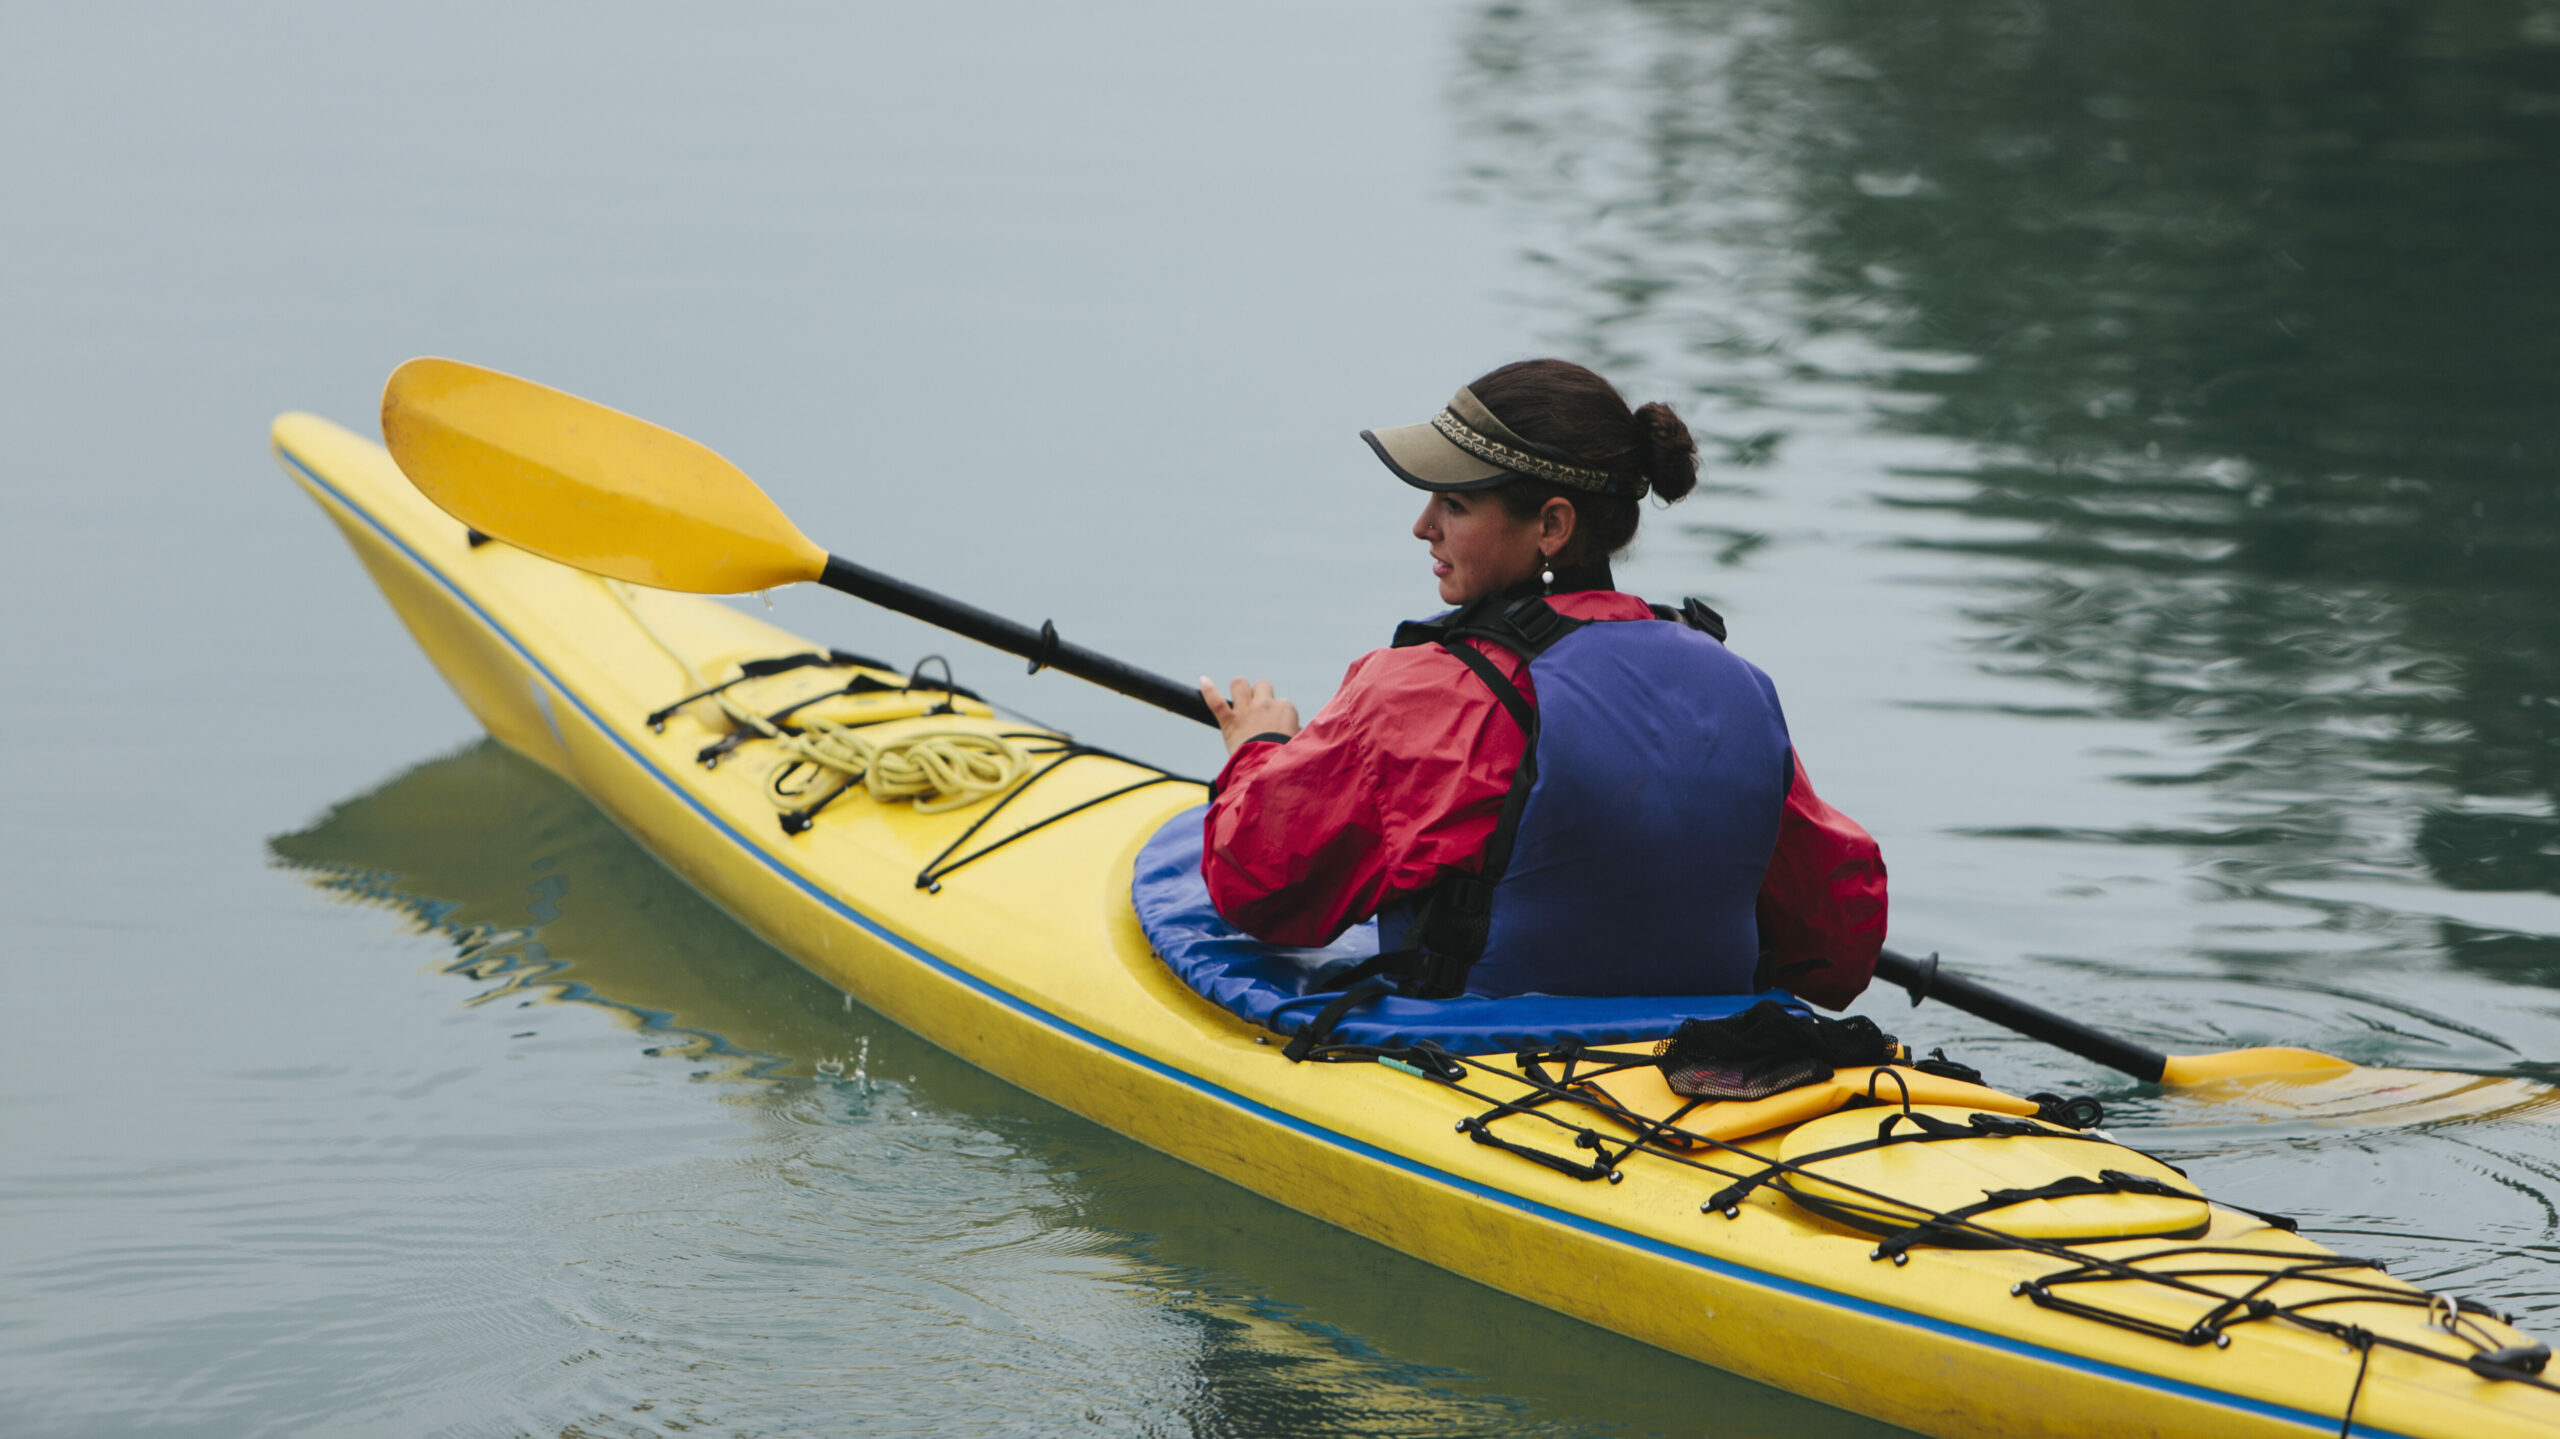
1290, 990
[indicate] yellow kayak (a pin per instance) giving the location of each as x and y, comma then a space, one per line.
1899, 1243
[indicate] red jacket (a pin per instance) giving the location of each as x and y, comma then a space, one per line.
1404, 773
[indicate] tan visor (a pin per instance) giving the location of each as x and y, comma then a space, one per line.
1465, 448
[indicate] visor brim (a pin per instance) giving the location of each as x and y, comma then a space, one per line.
1424, 458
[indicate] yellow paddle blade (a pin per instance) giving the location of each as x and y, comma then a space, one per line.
575, 482
2269, 1063
2368, 1097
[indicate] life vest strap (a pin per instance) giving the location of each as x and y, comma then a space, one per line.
1697, 614
1455, 917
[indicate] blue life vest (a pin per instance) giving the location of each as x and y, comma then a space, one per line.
1629, 855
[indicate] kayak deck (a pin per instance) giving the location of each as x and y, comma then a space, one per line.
1027, 960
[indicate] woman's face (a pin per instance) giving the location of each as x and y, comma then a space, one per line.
1477, 548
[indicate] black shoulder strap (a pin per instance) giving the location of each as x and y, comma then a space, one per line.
1455, 916
1522, 712
1432, 631
1524, 624
1506, 828
1696, 614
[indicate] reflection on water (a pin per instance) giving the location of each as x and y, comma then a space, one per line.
2261, 321
896, 1226
2248, 323
2198, 358
2247, 320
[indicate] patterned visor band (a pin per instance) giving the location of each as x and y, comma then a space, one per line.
1465, 447
1492, 451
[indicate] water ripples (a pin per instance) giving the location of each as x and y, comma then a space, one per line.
565, 1222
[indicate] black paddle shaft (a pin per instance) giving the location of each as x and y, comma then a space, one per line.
1041, 646
1926, 981
1045, 650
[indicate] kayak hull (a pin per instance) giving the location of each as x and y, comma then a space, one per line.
1030, 964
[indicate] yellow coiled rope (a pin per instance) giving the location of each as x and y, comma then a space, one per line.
940, 770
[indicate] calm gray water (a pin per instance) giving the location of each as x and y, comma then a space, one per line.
2129, 452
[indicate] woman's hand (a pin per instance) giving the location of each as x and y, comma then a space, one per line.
1252, 710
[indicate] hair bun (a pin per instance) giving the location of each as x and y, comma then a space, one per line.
1670, 455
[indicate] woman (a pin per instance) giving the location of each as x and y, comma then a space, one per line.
1553, 788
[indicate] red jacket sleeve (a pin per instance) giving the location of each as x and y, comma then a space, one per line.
1822, 905
1398, 778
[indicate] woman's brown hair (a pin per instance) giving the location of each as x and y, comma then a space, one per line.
1564, 406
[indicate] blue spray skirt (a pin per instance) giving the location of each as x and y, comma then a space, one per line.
1280, 987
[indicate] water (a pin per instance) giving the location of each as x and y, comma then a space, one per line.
2126, 453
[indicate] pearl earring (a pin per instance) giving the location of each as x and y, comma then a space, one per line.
1547, 572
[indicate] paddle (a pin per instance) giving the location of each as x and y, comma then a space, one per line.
1925, 980
573, 481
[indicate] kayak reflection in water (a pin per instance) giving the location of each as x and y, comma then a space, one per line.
1555, 787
